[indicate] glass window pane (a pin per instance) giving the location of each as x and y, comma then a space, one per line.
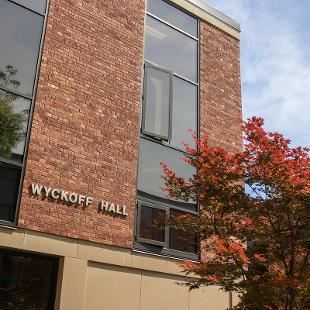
174, 16
14, 114
156, 102
182, 240
19, 45
35, 5
9, 183
170, 49
26, 282
148, 220
184, 115
150, 171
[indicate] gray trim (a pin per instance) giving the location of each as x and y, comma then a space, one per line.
146, 66
172, 26
216, 13
12, 91
7, 224
29, 126
11, 162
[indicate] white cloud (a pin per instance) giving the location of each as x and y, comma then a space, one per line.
275, 69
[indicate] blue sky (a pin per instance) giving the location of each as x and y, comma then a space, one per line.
275, 62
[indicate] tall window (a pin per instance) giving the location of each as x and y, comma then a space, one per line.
21, 25
169, 109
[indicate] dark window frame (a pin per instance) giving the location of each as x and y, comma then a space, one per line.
162, 248
31, 97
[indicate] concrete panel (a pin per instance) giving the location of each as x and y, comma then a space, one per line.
146, 262
208, 298
11, 238
50, 244
73, 284
235, 299
111, 287
102, 253
160, 292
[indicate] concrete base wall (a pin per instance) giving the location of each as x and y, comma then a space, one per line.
94, 276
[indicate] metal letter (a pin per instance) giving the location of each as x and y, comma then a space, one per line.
104, 205
71, 199
64, 195
55, 193
81, 199
119, 210
89, 200
36, 189
124, 211
112, 208
47, 190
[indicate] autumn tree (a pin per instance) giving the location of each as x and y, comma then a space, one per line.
253, 221
11, 122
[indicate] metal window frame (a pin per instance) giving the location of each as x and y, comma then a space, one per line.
162, 247
144, 102
16, 164
140, 205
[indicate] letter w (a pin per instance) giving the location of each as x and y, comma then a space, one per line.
36, 189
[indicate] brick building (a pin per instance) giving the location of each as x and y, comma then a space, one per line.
93, 95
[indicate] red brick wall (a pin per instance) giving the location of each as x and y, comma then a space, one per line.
220, 91
85, 127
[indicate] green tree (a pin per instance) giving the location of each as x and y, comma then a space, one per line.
11, 122
254, 242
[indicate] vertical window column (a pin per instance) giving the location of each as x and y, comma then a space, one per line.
169, 109
21, 27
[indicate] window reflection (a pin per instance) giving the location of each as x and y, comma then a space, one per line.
150, 171
184, 112
20, 34
172, 15
26, 282
36, 5
157, 99
181, 240
14, 114
9, 181
148, 224
170, 49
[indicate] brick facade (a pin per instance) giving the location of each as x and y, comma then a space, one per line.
85, 130
84, 135
220, 90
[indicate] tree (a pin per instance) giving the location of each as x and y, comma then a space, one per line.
253, 220
11, 122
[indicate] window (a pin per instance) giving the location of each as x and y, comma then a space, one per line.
156, 117
169, 109
27, 281
21, 26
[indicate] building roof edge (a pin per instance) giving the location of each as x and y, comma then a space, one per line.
216, 13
